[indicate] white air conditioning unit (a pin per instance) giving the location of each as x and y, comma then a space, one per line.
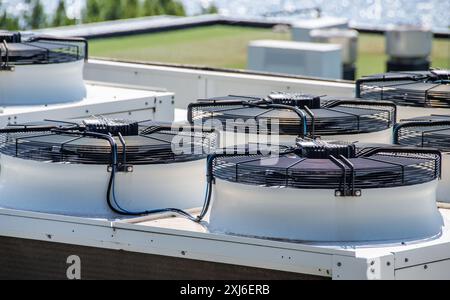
297, 58
280, 118
430, 132
102, 167
301, 29
41, 77
323, 192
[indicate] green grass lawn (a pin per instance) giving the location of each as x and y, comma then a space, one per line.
226, 47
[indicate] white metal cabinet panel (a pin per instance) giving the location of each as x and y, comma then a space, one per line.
100, 100
190, 85
226, 84
363, 268
299, 58
439, 270
301, 29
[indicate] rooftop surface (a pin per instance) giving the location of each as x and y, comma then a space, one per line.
225, 46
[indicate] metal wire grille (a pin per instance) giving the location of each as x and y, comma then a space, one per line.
423, 89
371, 168
332, 117
18, 50
432, 131
152, 145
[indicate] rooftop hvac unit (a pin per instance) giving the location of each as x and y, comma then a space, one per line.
408, 48
102, 167
298, 58
348, 40
325, 192
282, 117
431, 131
38, 69
301, 29
415, 93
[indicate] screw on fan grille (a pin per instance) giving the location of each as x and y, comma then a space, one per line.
323, 115
422, 89
97, 141
430, 131
15, 49
308, 166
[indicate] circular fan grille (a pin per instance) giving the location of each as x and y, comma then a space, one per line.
85, 143
368, 168
323, 116
431, 131
16, 49
423, 89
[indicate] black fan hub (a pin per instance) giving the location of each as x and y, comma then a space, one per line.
294, 99
10, 37
324, 150
113, 127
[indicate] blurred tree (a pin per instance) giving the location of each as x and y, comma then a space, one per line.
104, 10
131, 8
60, 18
212, 9
152, 8
111, 10
35, 17
7, 22
91, 12
172, 7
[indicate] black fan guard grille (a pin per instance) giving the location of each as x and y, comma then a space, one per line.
424, 133
335, 117
373, 168
419, 89
41, 50
153, 145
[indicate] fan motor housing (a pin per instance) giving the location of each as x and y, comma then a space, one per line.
41, 70
64, 169
276, 119
429, 131
114, 127
304, 198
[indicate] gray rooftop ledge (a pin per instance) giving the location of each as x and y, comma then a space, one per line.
164, 22
146, 25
